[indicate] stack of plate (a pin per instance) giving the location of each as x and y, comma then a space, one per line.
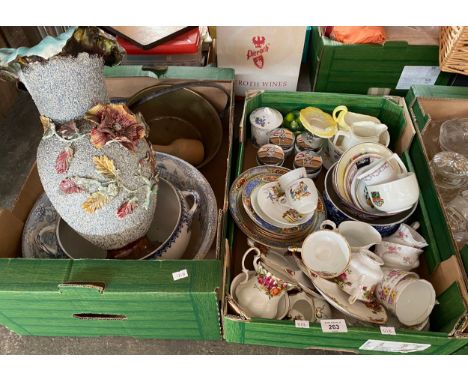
346, 196
278, 228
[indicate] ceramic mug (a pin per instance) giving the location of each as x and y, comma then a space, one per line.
302, 195
345, 118
262, 121
391, 277
407, 235
301, 307
398, 255
395, 196
325, 253
261, 294
361, 278
359, 235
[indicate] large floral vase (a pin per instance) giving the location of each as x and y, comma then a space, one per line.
99, 173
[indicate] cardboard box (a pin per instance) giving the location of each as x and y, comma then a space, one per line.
429, 107
112, 297
448, 319
409, 55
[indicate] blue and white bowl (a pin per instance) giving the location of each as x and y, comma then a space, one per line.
338, 212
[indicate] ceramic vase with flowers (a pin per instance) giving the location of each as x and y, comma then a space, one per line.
94, 160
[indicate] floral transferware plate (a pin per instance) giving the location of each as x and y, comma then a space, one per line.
373, 313
249, 228
272, 203
249, 201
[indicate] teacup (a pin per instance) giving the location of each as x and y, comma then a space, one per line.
302, 195
346, 118
261, 294
291, 176
361, 278
359, 235
395, 196
398, 255
407, 235
391, 277
411, 300
325, 253
262, 121
383, 170
301, 307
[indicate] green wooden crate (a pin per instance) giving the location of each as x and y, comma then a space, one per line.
355, 68
422, 114
447, 317
112, 297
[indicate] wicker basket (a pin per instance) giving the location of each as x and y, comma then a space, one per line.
453, 52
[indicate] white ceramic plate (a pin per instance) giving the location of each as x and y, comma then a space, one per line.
353, 153
269, 201
362, 161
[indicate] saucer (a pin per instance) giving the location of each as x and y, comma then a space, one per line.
272, 203
249, 201
362, 161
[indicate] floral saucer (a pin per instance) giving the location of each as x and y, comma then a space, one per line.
249, 201
272, 203
373, 313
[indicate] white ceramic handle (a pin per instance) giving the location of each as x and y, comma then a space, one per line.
196, 202
400, 163
340, 133
415, 225
328, 223
244, 269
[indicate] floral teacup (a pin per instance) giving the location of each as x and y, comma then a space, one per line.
398, 255
391, 277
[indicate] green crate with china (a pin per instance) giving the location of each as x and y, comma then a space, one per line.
351, 244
